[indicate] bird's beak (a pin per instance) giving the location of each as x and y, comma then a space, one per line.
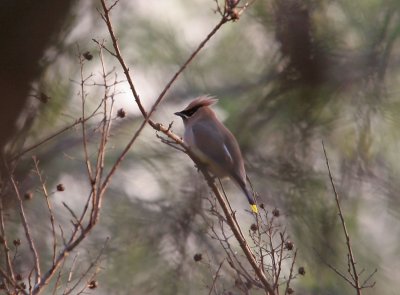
179, 114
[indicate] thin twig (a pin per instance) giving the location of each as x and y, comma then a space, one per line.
58, 280
83, 101
71, 270
290, 273
216, 277
12, 282
236, 231
364, 284
105, 134
27, 232
49, 207
10, 270
339, 273
230, 219
146, 115
89, 268
54, 135
354, 272
278, 271
78, 223
46, 139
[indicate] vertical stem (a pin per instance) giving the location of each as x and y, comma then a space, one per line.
49, 207
5, 245
348, 242
27, 232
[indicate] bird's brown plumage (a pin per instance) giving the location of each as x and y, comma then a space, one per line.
213, 143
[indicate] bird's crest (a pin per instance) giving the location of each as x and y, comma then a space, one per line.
202, 101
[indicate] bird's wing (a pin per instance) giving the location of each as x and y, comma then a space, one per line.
210, 142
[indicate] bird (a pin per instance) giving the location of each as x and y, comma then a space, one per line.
213, 143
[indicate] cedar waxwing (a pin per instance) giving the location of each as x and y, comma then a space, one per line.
214, 144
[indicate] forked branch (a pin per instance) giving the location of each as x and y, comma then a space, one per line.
354, 279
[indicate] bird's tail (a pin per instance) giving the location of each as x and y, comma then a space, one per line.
249, 195
250, 198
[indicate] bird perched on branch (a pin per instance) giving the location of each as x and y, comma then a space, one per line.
214, 144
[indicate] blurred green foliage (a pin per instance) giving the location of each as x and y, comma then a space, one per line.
288, 74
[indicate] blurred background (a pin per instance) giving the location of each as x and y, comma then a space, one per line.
288, 75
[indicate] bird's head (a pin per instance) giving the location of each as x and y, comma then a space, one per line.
195, 105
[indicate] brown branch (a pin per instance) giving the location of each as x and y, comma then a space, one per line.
12, 282
118, 55
55, 134
236, 230
364, 284
95, 181
104, 135
48, 138
58, 280
83, 125
71, 268
353, 271
94, 263
10, 270
49, 207
27, 232
228, 213
156, 126
281, 247
290, 273
61, 257
216, 277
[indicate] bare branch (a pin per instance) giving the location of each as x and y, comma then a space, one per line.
27, 232
83, 100
351, 260
290, 273
12, 282
216, 277
365, 284
89, 268
49, 207
236, 230
9, 266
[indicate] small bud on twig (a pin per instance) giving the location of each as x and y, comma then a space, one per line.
289, 245
253, 227
93, 284
18, 277
60, 187
197, 257
87, 55
28, 196
290, 290
43, 97
276, 212
121, 113
17, 242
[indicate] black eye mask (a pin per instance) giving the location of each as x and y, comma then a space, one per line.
188, 113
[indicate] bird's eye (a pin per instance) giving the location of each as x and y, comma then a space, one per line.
190, 112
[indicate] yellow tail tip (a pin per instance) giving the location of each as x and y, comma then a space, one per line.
254, 208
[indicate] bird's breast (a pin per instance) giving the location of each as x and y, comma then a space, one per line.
213, 167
